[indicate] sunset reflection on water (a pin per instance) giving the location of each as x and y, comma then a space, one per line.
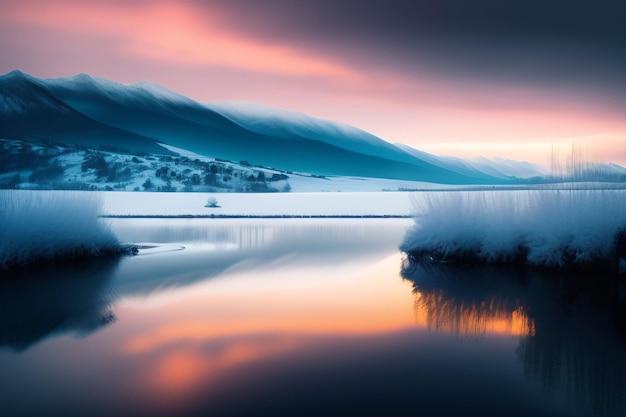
444, 314
196, 335
302, 318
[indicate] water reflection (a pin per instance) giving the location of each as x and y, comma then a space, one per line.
77, 297
469, 300
300, 318
71, 298
218, 247
437, 312
326, 235
571, 325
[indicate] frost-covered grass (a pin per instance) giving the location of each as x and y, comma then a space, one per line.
44, 225
555, 229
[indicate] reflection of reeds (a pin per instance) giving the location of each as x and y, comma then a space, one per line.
442, 314
556, 229
470, 300
566, 322
582, 361
41, 225
40, 301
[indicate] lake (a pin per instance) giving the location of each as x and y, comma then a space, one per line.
304, 317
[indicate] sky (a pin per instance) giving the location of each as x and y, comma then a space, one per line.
512, 79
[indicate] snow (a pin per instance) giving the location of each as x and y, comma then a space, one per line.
186, 153
38, 225
546, 228
285, 124
147, 166
307, 184
160, 92
250, 204
498, 167
265, 119
142, 90
509, 167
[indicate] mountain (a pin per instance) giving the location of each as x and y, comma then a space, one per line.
497, 167
291, 125
30, 111
94, 112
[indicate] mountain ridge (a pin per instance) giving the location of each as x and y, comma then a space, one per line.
29, 111
93, 111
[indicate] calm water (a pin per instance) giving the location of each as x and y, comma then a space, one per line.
294, 317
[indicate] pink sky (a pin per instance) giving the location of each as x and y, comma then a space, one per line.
435, 92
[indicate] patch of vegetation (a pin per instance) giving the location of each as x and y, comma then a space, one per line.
48, 166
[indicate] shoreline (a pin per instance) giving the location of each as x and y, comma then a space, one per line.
253, 216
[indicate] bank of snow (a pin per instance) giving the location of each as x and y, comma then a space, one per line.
44, 225
556, 229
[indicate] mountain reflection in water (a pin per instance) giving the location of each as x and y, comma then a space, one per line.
571, 324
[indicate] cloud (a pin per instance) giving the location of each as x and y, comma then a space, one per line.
175, 33
392, 48
574, 44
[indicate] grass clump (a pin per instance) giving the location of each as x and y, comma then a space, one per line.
39, 226
554, 229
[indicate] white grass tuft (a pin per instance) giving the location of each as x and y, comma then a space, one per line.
544, 228
42, 225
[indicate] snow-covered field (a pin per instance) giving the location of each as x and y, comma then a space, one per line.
44, 225
543, 228
263, 204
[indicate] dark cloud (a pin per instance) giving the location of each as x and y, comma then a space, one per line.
575, 44
600, 20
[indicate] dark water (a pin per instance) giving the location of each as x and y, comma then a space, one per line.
294, 317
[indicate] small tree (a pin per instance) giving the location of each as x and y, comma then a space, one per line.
211, 202
148, 185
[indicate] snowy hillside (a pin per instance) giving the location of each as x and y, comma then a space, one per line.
144, 118
97, 113
28, 165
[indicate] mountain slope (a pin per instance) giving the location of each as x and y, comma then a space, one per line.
499, 167
97, 112
29, 111
267, 120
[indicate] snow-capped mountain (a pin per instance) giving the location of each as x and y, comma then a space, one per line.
291, 125
98, 113
30, 111
497, 167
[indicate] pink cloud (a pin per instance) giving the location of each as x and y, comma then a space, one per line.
174, 33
